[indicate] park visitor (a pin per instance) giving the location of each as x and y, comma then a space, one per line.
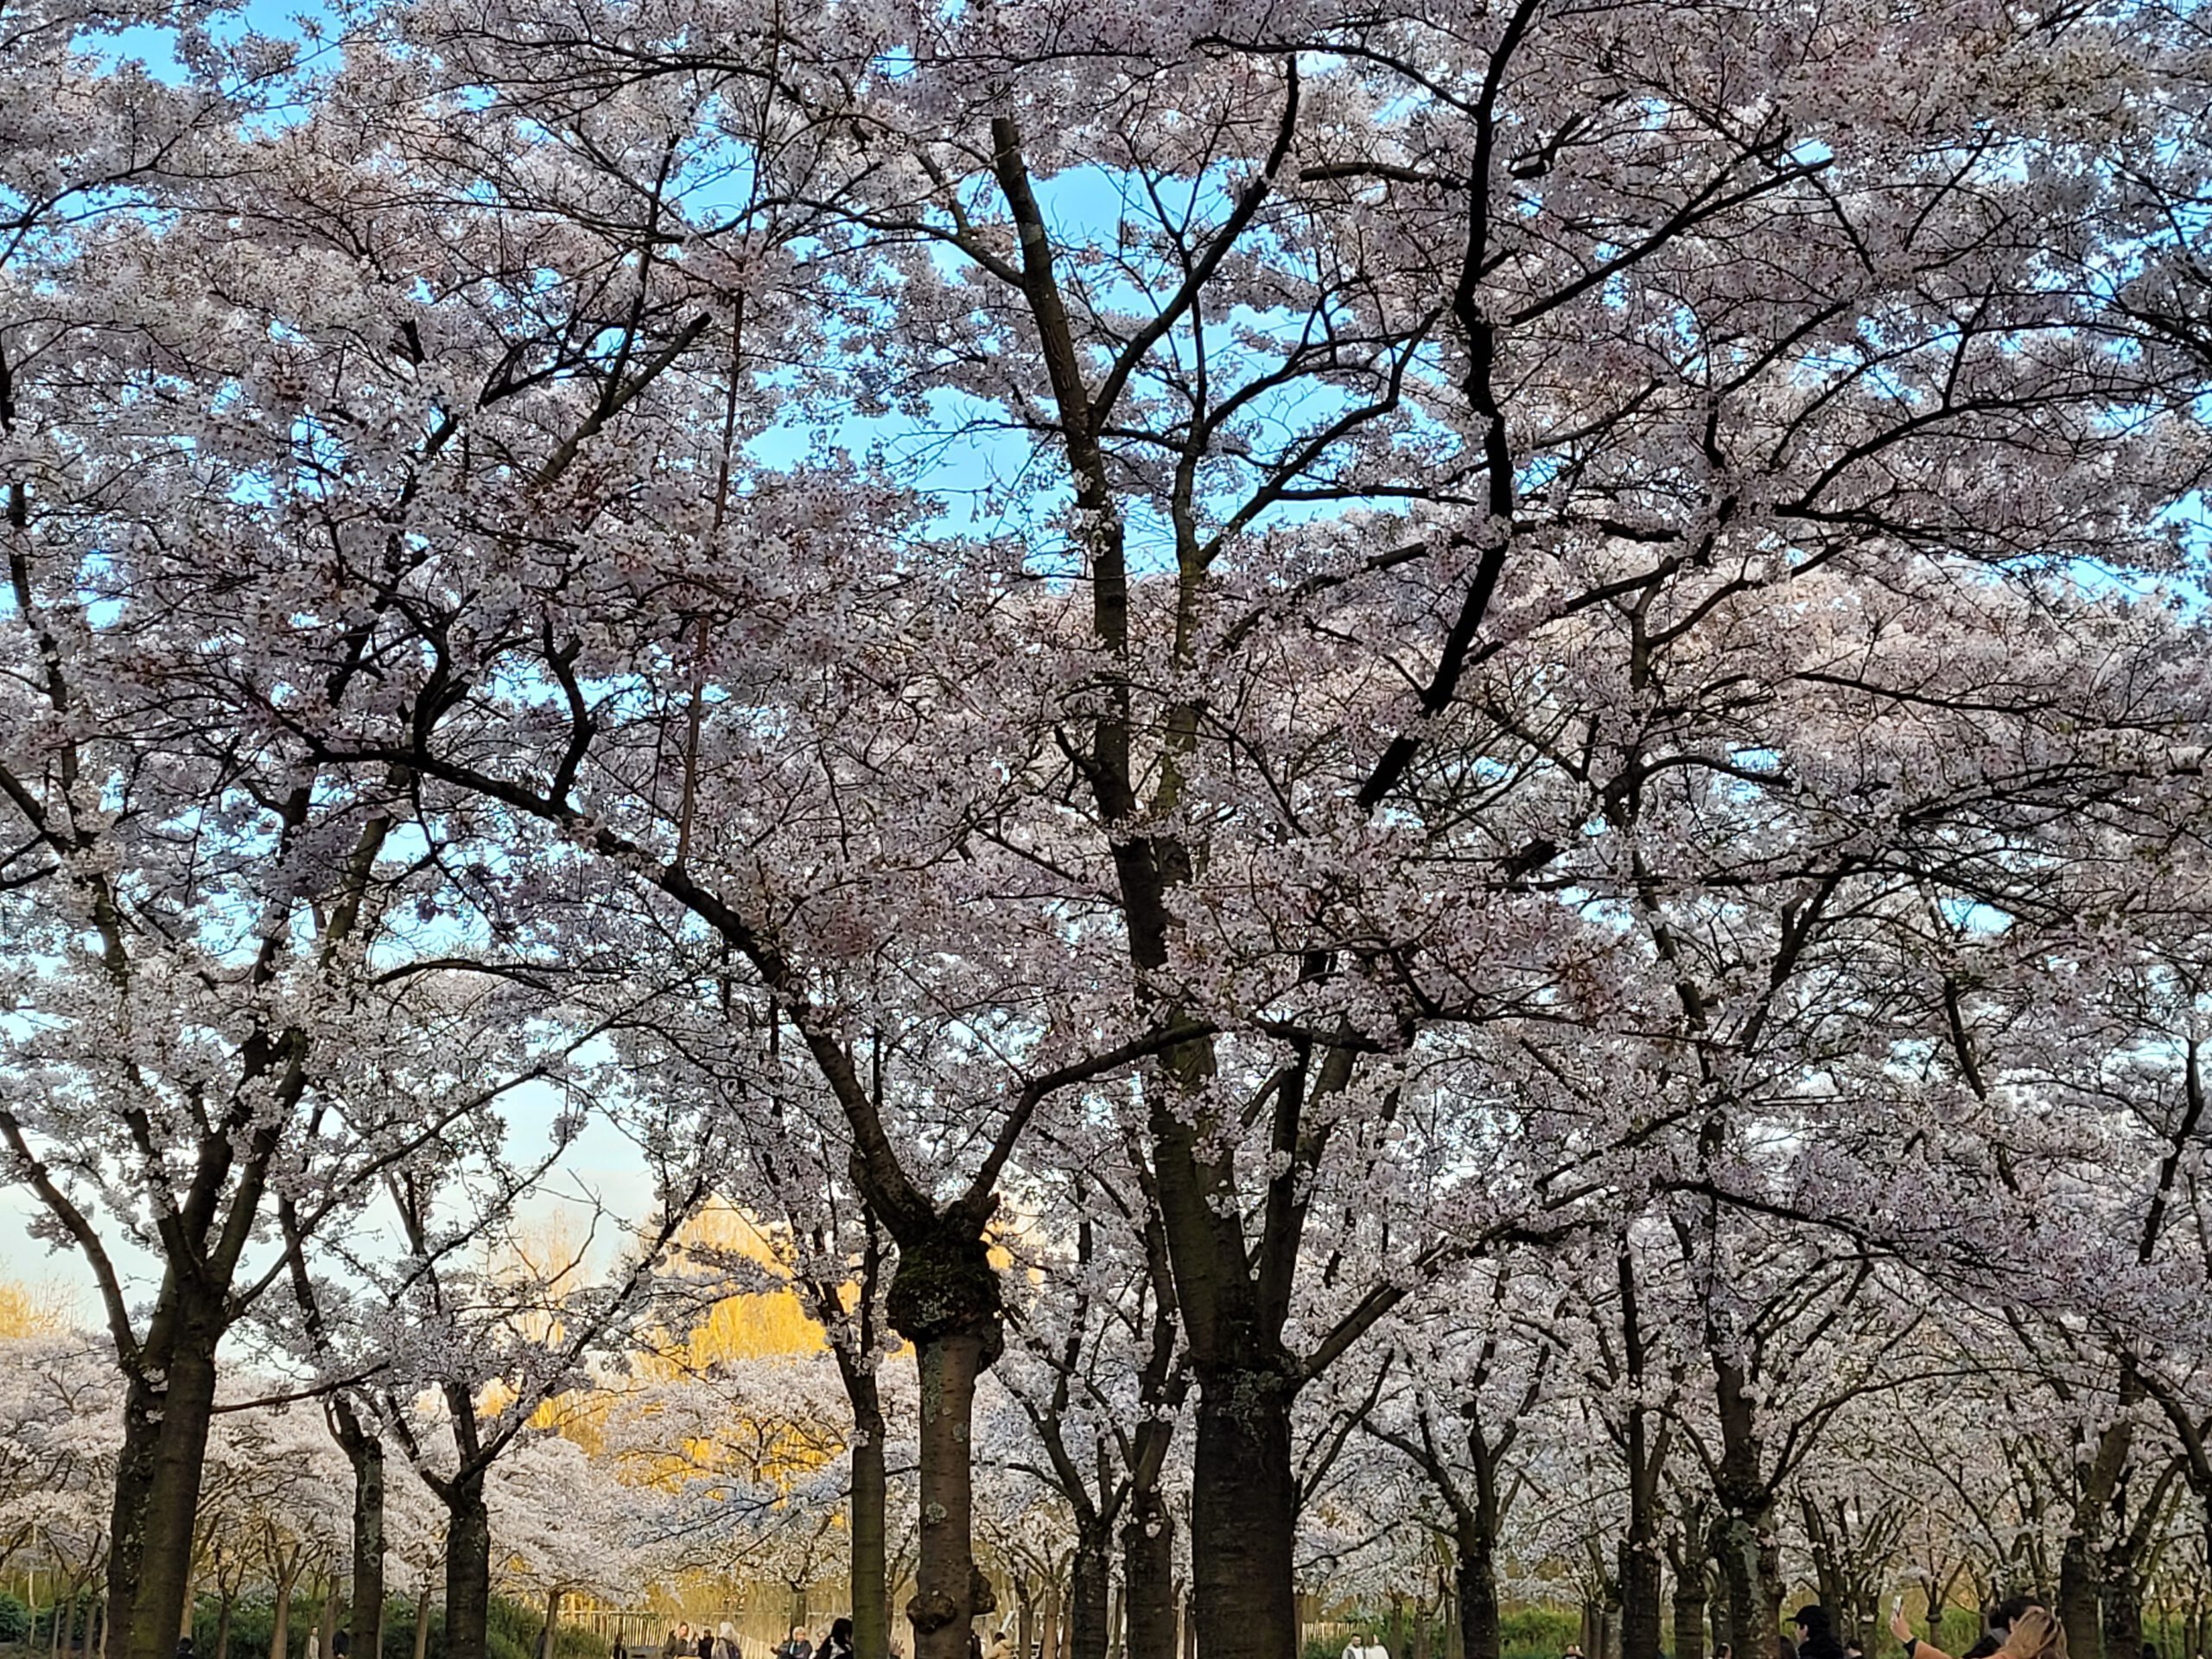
1816, 1635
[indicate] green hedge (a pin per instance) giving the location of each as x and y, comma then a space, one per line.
512, 1630
1524, 1633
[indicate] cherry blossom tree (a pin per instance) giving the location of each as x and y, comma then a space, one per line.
1520, 586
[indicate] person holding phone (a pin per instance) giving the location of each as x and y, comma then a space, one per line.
2009, 1619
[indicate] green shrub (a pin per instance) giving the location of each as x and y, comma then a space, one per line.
1538, 1632
14, 1618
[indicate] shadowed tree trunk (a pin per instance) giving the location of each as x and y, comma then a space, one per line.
1148, 1577
1089, 1577
363, 1450
468, 1566
1686, 1553
169, 1405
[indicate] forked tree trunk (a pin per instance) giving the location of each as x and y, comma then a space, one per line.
949, 1592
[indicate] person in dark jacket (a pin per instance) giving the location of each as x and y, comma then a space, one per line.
838, 1644
1816, 1635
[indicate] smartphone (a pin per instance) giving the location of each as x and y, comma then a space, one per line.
1897, 1605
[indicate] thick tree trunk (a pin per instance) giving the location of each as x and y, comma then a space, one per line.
1642, 1589
1744, 1541
469, 1568
949, 1592
1148, 1577
1474, 1584
868, 1585
2078, 1599
157, 1489
1243, 1515
134, 1484
1751, 1574
223, 1625
945, 1299
1089, 1575
1689, 1616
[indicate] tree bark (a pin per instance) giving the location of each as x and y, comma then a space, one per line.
1474, 1584
1642, 1591
1689, 1616
157, 1485
1243, 1515
1744, 1544
945, 1299
365, 1451
468, 1567
421, 1621
948, 1591
868, 1585
2078, 1597
280, 1630
1089, 1575
1148, 1577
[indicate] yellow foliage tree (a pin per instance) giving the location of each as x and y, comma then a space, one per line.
32, 1310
